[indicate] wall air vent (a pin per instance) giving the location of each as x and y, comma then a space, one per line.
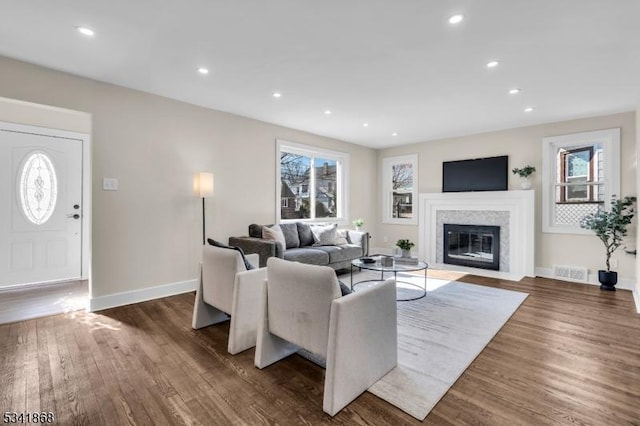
571, 273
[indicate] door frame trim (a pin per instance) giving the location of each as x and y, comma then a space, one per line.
85, 139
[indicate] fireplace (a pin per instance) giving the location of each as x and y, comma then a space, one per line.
472, 245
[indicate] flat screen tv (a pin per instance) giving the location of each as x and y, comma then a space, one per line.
480, 174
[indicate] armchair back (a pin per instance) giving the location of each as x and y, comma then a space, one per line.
219, 269
299, 303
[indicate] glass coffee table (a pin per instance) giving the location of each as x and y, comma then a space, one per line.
394, 268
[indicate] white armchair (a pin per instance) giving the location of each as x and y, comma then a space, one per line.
357, 334
228, 289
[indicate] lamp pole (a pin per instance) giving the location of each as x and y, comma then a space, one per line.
203, 221
203, 186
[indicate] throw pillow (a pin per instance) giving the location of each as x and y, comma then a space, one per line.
305, 234
290, 231
274, 234
324, 235
341, 237
344, 289
247, 264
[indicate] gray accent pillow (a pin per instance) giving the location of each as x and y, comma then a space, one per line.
305, 234
344, 289
290, 231
324, 235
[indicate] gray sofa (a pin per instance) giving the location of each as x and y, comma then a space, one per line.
300, 248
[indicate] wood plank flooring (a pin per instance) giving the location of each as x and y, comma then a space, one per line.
34, 301
569, 356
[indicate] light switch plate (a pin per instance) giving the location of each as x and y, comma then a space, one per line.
109, 184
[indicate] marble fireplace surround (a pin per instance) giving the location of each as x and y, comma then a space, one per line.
513, 211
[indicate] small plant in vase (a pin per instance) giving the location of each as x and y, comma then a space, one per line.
610, 227
524, 174
358, 223
405, 246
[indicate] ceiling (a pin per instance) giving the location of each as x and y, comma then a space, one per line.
397, 65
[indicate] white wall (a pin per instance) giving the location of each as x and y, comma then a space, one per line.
523, 146
149, 232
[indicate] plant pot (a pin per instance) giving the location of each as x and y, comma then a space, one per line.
405, 253
608, 280
358, 228
525, 183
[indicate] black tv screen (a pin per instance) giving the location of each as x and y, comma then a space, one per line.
481, 174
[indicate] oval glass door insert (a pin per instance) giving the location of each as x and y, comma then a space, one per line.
38, 188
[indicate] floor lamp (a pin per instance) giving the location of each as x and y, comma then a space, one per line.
203, 187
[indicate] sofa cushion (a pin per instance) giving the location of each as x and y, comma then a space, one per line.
308, 255
305, 234
275, 234
290, 231
247, 264
324, 235
342, 252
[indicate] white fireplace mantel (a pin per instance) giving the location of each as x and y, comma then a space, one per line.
520, 206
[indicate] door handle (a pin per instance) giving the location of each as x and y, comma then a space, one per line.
73, 216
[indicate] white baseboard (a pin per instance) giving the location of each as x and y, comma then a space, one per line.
135, 296
623, 283
636, 298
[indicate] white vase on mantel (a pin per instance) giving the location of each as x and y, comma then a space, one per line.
358, 228
525, 182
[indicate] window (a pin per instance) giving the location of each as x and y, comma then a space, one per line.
580, 174
577, 168
312, 181
400, 180
38, 188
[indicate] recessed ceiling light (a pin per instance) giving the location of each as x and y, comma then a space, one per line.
456, 19
86, 31
514, 91
492, 64
203, 71
528, 109
365, 124
394, 134
327, 112
277, 94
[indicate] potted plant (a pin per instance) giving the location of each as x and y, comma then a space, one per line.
610, 227
405, 246
524, 174
358, 223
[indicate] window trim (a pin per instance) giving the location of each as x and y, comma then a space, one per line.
387, 196
610, 140
342, 180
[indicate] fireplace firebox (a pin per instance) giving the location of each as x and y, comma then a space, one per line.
477, 246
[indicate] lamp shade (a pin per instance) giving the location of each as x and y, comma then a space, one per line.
203, 184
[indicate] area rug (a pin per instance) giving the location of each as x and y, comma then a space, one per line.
438, 338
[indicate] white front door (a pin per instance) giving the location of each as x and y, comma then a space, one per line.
40, 208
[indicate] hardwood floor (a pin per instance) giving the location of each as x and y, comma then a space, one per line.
33, 301
569, 355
